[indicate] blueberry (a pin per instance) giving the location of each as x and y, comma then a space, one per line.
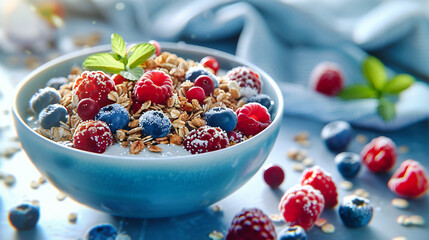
348, 164
24, 216
293, 233
115, 115
194, 72
262, 99
51, 116
355, 211
337, 135
155, 123
43, 98
57, 82
102, 232
221, 117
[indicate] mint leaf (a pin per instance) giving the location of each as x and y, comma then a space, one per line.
141, 53
398, 84
104, 62
118, 44
374, 71
133, 74
386, 109
357, 92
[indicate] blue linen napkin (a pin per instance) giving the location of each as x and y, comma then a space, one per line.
289, 38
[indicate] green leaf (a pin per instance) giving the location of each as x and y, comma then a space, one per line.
118, 44
386, 109
133, 74
374, 71
104, 62
141, 53
357, 92
115, 56
398, 84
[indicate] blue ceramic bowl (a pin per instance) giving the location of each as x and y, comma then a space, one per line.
145, 187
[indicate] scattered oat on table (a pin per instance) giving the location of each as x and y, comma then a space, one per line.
308, 162
297, 155
302, 139
35, 202
346, 185
216, 208
301, 136
400, 203
34, 184
416, 220
360, 138
277, 218
320, 222
298, 167
41, 180
401, 219
72, 218
10, 151
403, 149
328, 228
215, 235
9, 180
123, 236
360, 192
61, 196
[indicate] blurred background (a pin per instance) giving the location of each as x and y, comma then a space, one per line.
286, 38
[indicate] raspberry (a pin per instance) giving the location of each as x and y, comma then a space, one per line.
252, 118
302, 205
410, 180
327, 78
251, 224
322, 181
205, 139
93, 136
248, 80
235, 137
155, 86
379, 155
118, 79
95, 85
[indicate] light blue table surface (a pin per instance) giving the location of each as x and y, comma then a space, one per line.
53, 223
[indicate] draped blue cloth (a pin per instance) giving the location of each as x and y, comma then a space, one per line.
289, 38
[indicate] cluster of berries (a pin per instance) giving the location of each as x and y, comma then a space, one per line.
101, 117
379, 156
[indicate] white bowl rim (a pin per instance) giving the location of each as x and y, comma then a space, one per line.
165, 45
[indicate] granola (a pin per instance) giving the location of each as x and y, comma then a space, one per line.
183, 114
